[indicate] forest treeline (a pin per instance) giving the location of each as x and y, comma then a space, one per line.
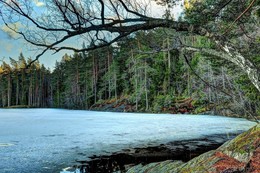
141, 71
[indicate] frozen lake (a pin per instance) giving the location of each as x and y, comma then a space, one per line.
47, 140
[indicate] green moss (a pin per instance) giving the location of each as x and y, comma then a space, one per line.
243, 145
244, 142
202, 163
200, 110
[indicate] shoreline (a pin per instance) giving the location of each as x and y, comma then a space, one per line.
116, 111
184, 151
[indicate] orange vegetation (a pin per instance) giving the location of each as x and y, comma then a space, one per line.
227, 163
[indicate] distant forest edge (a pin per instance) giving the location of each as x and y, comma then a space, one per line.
129, 77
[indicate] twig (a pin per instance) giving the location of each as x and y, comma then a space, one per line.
229, 27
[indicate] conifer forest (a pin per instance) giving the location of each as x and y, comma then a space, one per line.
203, 60
133, 76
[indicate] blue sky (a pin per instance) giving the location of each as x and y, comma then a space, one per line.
10, 47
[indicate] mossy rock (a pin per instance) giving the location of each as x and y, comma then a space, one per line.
165, 166
243, 146
199, 164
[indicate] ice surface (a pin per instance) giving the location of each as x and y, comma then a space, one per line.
47, 140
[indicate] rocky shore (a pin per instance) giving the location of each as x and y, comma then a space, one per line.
180, 151
240, 155
183, 106
180, 106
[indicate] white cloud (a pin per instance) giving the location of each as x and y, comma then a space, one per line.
38, 3
156, 10
12, 33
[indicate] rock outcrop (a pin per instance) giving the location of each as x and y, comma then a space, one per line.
240, 155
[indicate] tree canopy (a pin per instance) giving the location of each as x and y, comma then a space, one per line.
231, 25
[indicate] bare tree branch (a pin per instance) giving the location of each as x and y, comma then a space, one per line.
102, 11
246, 10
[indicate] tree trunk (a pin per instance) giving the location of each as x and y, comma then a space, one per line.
9, 91
17, 90
245, 64
86, 88
58, 93
23, 98
77, 84
146, 90
115, 79
209, 79
232, 55
109, 78
165, 80
95, 70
